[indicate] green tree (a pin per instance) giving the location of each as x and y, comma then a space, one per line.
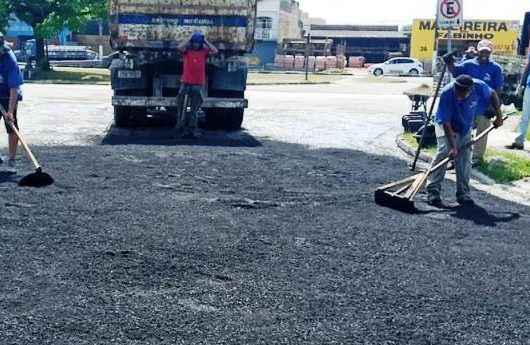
4, 15
48, 17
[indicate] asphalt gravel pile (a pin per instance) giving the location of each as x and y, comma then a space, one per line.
275, 244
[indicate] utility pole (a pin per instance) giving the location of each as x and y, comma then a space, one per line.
308, 43
100, 25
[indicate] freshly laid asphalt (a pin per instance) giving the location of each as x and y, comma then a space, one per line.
248, 239
271, 244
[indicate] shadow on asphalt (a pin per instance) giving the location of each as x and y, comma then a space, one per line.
166, 136
481, 216
476, 214
8, 177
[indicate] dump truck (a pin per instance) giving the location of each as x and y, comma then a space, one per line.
147, 67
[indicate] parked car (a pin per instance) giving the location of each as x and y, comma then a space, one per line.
399, 66
57, 53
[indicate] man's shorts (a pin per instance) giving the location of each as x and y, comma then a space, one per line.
5, 104
192, 90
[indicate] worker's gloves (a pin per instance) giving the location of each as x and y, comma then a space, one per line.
449, 59
498, 122
520, 90
454, 153
9, 117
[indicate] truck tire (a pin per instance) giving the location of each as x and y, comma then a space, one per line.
223, 119
125, 117
122, 117
233, 119
213, 119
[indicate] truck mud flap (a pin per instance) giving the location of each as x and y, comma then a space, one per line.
151, 102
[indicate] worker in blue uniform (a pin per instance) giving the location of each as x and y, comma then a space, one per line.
10, 94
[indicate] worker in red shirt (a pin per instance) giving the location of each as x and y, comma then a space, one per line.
195, 52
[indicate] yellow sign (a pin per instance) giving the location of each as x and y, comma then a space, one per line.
503, 34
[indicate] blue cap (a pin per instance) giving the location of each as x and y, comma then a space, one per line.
197, 37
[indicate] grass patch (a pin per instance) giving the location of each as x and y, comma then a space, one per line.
411, 141
505, 167
501, 166
64, 75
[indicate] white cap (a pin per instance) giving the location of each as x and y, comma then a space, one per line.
485, 45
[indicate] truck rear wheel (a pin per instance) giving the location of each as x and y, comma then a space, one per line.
213, 119
122, 117
125, 117
223, 119
233, 119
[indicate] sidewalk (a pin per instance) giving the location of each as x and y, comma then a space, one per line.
505, 135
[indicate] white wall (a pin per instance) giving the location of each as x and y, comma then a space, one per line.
271, 9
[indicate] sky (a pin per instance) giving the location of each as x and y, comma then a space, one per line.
404, 11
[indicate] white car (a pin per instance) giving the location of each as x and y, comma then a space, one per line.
399, 66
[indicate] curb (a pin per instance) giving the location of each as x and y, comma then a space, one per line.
62, 82
409, 150
58, 82
294, 83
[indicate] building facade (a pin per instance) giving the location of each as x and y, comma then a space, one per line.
276, 21
376, 43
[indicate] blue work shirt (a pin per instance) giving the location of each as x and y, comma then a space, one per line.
461, 114
10, 74
490, 73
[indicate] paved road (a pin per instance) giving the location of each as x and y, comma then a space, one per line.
348, 114
262, 241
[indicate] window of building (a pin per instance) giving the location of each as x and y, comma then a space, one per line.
264, 23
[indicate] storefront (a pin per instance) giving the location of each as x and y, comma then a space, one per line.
504, 35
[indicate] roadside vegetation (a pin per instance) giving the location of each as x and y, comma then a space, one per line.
501, 166
66, 75
73, 75
505, 167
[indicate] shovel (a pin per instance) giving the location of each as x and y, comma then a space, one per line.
38, 178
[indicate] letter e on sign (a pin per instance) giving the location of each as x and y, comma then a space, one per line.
450, 13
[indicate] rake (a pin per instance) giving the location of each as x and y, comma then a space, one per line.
38, 178
400, 195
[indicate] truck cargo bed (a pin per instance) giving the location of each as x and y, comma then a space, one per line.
159, 24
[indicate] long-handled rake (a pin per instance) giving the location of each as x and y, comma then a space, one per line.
38, 178
400, 195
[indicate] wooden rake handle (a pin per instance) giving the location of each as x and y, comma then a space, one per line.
21, 139
465, 146
421, 182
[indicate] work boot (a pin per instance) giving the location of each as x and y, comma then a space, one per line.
477, 163
435, 201
11, 165
465, 201
515, 146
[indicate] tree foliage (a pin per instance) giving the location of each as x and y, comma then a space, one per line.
48, 17
4, 15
